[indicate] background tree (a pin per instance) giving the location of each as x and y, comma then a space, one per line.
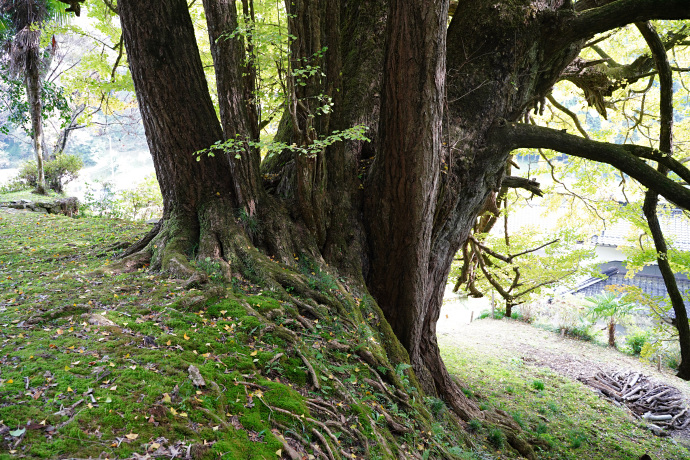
611, 307
26, 20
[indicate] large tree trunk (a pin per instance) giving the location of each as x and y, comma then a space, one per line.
179, 120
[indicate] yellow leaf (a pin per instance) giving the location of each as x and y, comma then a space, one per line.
132, 436
186, 337
154, 446
10, 381
183, 414
279, 452
168, 343
70, 389
173, 411
59, 331
253, 353
166, 398
223, 312
66, 368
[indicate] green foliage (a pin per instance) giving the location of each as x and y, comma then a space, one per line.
137, 204
538, 385
496, 438
498, 314
15, 102
58, 172
637, 340
237, 147
474, 425
610, 306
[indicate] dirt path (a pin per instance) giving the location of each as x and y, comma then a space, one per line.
572, 358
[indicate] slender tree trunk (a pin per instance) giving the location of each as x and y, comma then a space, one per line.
33, 91
612, 333
651, 198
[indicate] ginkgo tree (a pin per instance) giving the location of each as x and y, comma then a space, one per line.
444, 93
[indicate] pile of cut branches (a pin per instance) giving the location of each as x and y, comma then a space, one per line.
663, 406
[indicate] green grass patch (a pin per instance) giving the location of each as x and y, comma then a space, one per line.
568, 419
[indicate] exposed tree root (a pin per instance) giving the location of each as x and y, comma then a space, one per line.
171, 250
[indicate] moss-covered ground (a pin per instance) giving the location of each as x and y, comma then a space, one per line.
95, 365
135, 365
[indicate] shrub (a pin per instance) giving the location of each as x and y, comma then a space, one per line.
636, 341
58, 172
538, 385
100, 200
139, 203
498, 314
582, 332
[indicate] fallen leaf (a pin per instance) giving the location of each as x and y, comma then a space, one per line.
17, 433
166, 398
131, 436
186, 337
113, 388
196, 377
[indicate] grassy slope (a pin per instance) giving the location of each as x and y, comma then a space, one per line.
567, 416
52, 359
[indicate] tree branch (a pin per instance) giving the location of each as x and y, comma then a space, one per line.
530, 185
618, 14
111, 6
627, 158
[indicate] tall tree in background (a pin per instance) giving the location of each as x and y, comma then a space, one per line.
443, 104
25, 20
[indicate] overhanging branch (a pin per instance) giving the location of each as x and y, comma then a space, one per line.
619, 13
627, 158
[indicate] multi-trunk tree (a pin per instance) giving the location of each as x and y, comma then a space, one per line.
443, 98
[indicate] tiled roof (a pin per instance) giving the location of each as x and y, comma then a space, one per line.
649, 280
674, 225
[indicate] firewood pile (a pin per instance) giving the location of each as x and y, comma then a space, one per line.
661, 405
